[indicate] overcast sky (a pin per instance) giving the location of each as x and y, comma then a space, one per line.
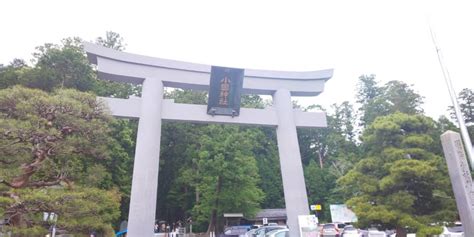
388, 38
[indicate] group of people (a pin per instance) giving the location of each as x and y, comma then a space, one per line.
172, 230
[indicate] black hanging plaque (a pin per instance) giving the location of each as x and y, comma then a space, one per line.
225, 89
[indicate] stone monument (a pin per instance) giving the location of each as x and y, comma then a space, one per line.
461, 179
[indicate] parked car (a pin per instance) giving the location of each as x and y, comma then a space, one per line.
236, 231
262, 231
372, 232
332, 230
278, 233
391, 233
455, 231
251, 233
350, 231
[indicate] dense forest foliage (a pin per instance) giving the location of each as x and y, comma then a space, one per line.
61, 152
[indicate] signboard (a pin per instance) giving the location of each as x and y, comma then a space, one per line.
340, 213
50, 216
308, 225
224, 92
264, 221
316, 207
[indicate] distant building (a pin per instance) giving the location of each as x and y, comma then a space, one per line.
277, 216
232, 219
273, 216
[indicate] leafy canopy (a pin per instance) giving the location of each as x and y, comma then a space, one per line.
51, 147
400, 183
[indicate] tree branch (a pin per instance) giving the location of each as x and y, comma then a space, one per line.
6, 162
8, 184
38, 184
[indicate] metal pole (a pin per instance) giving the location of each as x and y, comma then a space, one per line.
53, 234
454, 101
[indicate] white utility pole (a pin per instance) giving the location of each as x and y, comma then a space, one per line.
454, 101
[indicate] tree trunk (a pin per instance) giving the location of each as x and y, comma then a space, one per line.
320, 159
28, 170
340, 173
16, 220
401, 232
197, 195
213, 220
197, 188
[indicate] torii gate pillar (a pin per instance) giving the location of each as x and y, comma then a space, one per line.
151, 109
147, 161
296, 199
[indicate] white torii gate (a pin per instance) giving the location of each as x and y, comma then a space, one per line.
155, 74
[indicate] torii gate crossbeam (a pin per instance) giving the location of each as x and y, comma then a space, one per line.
154, 74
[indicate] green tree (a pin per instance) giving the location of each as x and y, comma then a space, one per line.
343, 120
120, 164
176, 196
320, 183
61, 142
227, 175
368, 94
80, 210
367, 89
265, 150
65, 65
445, 124
392, 97
112, 40
466, 105
180, 170
11, 74
401, 182
334, 145
402, 98
327, 154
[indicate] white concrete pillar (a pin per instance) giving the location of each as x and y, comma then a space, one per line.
296, 200
141, 217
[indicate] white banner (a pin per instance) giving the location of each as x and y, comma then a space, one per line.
340, 213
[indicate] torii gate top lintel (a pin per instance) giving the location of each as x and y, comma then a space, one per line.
133, 68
